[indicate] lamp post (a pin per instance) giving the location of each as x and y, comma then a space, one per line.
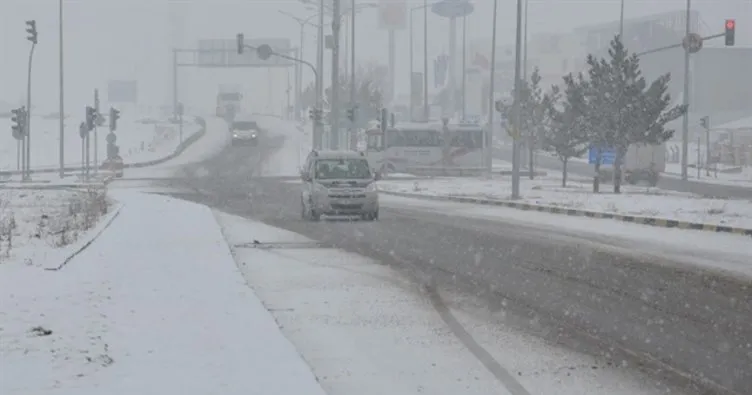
516, 106
303, 22
423, 7
426, 113
61, 152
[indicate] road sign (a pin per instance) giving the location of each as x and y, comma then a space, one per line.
452, 8
224, 53
83, 130
693, 42
393, 14
111, 138
264, 51
607, 156
122, 91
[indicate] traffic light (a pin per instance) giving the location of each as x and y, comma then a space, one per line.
91, 115
351, 114
705, 122
83, 130
241, 39
392, 120
499, 105
384, 119
114, 116
31, 28
730, 30
18, 118
315, 114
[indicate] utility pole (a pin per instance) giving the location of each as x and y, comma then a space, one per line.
426, 113
621, 22
685, 101
33, 36
516, 105
334, 110
491, 96
317, 128
61, 153
353, 99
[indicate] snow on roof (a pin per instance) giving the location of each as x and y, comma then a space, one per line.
744, 123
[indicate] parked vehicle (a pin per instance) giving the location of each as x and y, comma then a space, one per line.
114, 165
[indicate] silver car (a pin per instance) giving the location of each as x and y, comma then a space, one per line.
338, 183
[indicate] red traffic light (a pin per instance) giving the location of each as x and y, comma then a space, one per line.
730, 24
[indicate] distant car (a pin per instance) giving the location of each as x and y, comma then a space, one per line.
338, 183
245, 132
115, 165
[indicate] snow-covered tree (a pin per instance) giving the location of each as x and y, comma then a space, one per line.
368, 94
623, 108
566, 130
533, 113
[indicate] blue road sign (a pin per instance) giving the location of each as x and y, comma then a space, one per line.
607, 156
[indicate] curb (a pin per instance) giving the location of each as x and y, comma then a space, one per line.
650, 221
106, 224
178, 150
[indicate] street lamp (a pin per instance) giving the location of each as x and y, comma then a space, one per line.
516, 105
62, 95
303, 22
412, 11
265, 52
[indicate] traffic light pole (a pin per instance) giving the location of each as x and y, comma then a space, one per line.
487, 136
62, 96
27, 175
685, 100
269, 52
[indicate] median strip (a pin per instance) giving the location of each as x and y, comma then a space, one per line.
639, 205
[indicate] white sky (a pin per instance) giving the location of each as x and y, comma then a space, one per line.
130, 39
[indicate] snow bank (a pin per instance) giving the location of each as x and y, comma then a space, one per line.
637, 201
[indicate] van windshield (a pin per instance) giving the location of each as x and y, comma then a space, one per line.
331, 169
244, 125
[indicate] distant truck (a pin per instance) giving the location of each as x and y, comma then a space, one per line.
229, 99
643, 164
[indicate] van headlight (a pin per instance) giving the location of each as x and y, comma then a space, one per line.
371, 187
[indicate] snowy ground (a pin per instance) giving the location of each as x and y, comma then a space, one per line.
366, 329
547, 191
138, 142
38, 225
740, 176
155, 305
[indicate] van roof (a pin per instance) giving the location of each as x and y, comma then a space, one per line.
328, 154
244, 118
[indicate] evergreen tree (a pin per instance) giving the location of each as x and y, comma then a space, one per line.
566, 132
623, 109
533, 113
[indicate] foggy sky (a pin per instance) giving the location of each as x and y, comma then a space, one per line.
131, 39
